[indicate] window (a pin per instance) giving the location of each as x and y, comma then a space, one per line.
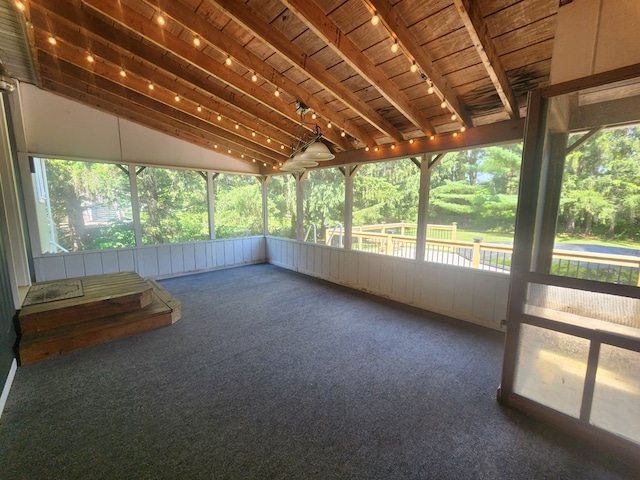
173, 205
238, 206
281, 206
385, 208
82, 205
323, 203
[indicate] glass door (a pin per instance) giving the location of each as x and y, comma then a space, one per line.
572, 352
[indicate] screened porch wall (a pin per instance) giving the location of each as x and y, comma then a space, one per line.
467, 294
155, 261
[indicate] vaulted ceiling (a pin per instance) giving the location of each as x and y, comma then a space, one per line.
231, 74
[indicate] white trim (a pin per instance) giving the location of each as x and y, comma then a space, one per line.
7, 385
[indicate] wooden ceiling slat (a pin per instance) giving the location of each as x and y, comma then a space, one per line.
255, 64
250, 19
328, 32
482, 40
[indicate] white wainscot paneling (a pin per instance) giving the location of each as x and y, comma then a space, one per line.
219, 252
148, 265
109, 261
177, 259
126, 260
93, 263
74, 266
188, 257
201, 256
164, 259
49, 268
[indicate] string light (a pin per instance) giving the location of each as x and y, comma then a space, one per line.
242, 155
455, 134
237, 126
343, 134
393, 147
215, 145
160, 19
411, 141
274, 167
196, 41
254, 77
90, 58
199, 108
329, 125
414, 67
219, 117
463, 128
432, 137
375, 20
264, 164
20, 6
52, 40
268, 139
228, 61
123, 73
314, 116
177, 98
277, 92
443, 104
151, 87
454, 117
376, 149
394, 46
430, 90
229, 150
366, 149
253, 160
253, 133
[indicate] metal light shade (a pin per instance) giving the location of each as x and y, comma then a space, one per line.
297, 164
317, 151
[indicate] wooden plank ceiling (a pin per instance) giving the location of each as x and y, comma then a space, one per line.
228, 74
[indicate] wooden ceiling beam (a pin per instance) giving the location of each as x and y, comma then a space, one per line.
52, 63
228, 45
98, 34
67, 47
250, 20
329, 32
407, 41
479, 32
132, 20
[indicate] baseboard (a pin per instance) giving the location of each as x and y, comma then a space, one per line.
7, 385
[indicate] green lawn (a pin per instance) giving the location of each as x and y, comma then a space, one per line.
469, 235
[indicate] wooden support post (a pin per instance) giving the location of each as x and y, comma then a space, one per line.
475, 262
390, 245
423, 208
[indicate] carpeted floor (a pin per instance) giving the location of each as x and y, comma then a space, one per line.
272, 374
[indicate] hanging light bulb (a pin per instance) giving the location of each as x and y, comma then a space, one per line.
228, 61
219, 117
430, 90
160, 19
463, 128
20, 6
432, 137
454, 117
314, 116
52, 40
90, 58
123, 73
394, 46
329, 125
253, 133
443, 104
199, 108
455, 134
237, 126
366, 149
411, 141
254, 77
277, 92
414, 67
151, 87
268, 139
375, 20
343, 134
177, 98
196, 41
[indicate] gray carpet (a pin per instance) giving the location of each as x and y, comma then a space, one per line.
272, 374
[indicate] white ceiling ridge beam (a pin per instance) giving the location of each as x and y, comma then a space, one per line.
479, 32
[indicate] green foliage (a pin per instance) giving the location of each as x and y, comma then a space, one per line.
238, 207
173, 206
281, 206
323, 202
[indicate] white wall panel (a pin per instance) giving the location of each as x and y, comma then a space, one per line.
93, 263
126, 261
466, 294
188, 257
148, 265
74, 266
153, 260
110, 261
164, 259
